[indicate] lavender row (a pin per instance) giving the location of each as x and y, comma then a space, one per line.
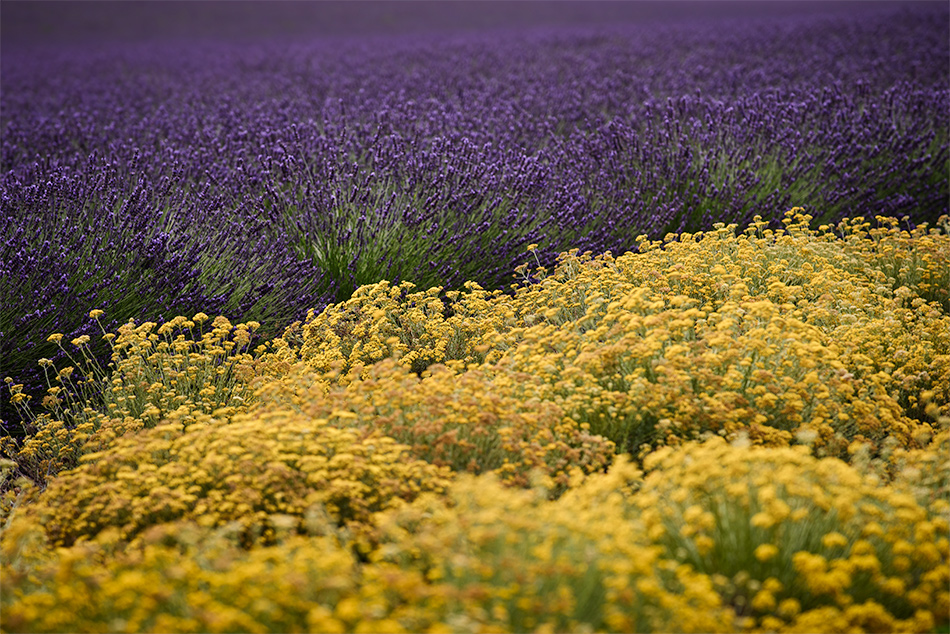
259, 181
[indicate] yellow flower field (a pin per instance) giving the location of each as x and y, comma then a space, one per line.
734, 431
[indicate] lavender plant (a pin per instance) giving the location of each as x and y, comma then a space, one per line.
144, 252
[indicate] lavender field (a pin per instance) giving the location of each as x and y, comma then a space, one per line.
544, 247
261, 180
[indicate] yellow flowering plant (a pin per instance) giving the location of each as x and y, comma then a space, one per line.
777, 334
245, 471
787, 538
179, 577
925, 472
877, 294
512, 560
768, 333
182, 370
381, 320
477, 420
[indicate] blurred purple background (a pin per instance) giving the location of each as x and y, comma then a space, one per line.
26, 22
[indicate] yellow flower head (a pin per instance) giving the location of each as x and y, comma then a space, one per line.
762, 520
765, 552
834, 540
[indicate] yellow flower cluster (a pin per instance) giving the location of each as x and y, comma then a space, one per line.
246, 471
877, 295
178, 371
796, 543
475, 420
511, 560
825, 337
486, 558
918, 260
179, 578
382, 321
715, 538
926, 473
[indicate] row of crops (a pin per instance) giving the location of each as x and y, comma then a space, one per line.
592, 329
